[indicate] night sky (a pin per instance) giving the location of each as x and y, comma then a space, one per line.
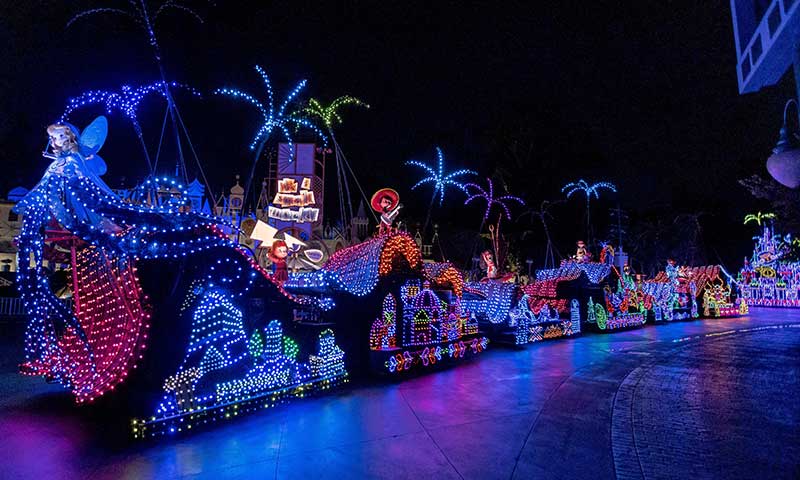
643, 95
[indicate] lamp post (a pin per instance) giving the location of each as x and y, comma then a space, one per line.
784, 163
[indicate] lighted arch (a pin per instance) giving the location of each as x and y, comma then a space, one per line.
396, 249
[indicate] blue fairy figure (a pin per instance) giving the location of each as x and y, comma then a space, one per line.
72, 193
71, 207
75, 161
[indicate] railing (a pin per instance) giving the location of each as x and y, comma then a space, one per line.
11, 307
14, 306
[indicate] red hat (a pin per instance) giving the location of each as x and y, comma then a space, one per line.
375, 203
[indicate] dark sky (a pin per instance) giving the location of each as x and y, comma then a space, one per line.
643, 94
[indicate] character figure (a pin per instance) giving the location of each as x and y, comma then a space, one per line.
671, 269
487, 263
64, 343
386, 202
75, 160
582, 254
277, 255
607, 254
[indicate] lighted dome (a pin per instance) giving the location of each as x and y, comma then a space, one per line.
426, 299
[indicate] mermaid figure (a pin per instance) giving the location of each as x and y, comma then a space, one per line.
91, 345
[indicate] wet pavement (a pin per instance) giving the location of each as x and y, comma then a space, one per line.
700, 399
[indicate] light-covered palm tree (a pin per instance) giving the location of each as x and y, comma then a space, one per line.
329, 116
272, 118
589, 191
440, 179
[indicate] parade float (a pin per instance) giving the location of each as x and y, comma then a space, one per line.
591, 287
558, 300
771, 278
145, 280
675, 293
396, 313
685, 293
508, 312
626, 303
173, 317
150, 273
602, 297
507, 315
393, 312
717, 301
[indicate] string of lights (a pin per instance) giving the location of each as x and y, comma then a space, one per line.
439, 177
491, 200
273, 119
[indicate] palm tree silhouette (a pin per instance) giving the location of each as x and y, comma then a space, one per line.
491, 201
125, 101
758, 217
543, 213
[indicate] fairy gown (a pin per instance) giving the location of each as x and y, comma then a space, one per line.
91, 345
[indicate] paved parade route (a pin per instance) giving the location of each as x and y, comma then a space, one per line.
700, 399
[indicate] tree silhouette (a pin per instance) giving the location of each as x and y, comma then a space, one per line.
542, 214
491, 200
125, 101
758, 217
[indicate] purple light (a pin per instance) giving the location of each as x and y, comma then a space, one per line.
490, 198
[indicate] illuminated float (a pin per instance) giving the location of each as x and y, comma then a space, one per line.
558, 300
393, 313
683, 293
626, 303
164, 309
771, 278
675, 293
592, 287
